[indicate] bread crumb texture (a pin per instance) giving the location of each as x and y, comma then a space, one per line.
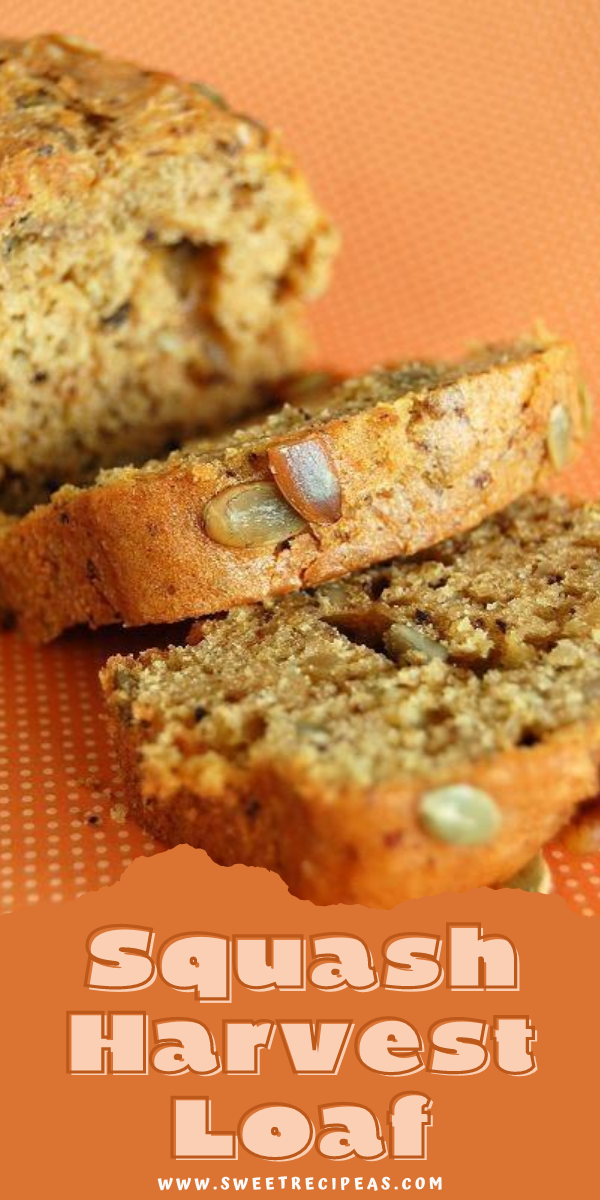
156, 253
385, 464
302, 734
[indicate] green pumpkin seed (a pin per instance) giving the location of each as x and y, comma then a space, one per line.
211, 94
586, 407
251, 514
400, 638
460, 814
535, 876
559, 436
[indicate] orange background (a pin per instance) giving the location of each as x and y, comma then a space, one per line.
457, 146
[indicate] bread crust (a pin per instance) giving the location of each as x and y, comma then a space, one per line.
356, 845
157, 249
61, 93
308, 735
412, 473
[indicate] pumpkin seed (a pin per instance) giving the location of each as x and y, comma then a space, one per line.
535, 876
559, 436
250, 514
211, 94
306, 474
460, 814
586, 406
400, 638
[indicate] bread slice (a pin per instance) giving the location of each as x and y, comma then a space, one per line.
423, 726
385, 464
156, 251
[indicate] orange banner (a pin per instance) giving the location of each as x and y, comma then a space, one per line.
163, 1035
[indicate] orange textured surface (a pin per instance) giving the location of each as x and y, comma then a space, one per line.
456, 145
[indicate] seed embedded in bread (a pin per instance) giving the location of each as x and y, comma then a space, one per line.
308, 710
402, 638
250, 514
559, 436
460, 814
305, 472
535, 876
587, 409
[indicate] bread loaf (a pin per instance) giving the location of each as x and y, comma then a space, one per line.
424, 726
339, 478
156, 253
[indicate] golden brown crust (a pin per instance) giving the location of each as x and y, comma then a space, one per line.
61, 94
365, 846
156, 251
412, 472
305, 737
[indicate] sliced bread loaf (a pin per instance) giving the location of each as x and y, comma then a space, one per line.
423, 726
156, 251
338, 479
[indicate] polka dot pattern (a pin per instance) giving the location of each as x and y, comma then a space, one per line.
457, 147
58, 779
